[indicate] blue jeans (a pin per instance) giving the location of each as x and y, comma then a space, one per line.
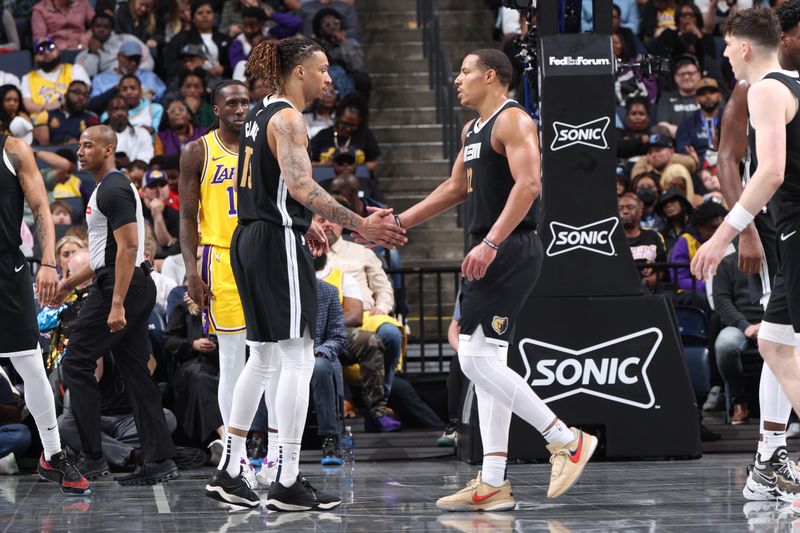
729, 346
323, 391
14, 438
392, 340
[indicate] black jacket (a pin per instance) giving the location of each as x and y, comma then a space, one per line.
172, 63
733, 299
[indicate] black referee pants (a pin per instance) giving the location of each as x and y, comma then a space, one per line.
130, 348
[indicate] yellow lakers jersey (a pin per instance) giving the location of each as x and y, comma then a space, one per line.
43, 90
217, 214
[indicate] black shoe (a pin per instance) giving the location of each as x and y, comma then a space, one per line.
93, 468
233, 490
706, 435
331, 455
299, 497
150, 473
60, 470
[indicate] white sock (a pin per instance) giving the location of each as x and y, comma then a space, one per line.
481, 363
288, 463
560, 432
232, 348
39, 399
493, 470
775, 408
231, 459
273, 449
291, 403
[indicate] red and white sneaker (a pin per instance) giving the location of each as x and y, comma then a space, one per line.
60, 470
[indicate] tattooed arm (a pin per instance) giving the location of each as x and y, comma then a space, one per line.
21, 157
189, 188
288, 140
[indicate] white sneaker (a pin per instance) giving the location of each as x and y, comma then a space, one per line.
267, 474
216, 448
8, 465
248, 473
714, 402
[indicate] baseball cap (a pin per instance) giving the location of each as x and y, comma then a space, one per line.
684, 59
706, 84
154, 177
130, 48
193, 50
344, 154
658, 139
43, 44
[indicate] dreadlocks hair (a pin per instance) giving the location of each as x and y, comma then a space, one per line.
273, 60
788, 15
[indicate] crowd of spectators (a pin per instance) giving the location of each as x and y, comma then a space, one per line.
147, 69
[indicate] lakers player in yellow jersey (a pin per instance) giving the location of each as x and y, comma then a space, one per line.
208, 198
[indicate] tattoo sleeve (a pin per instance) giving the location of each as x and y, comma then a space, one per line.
189, 187
21, 158
292, 140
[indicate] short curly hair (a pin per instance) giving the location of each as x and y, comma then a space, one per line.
757, 24
788, 14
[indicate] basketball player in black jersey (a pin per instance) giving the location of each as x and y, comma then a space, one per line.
274, 270
752, 38
20, 181
758, 256
497, 173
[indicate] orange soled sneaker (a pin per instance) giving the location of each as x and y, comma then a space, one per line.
568, 461
479, 496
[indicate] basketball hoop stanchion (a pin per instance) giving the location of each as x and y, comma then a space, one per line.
603, 355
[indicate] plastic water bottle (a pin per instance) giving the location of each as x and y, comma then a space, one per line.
348, 445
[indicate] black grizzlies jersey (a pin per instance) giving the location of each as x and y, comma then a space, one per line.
262, 192
489, 179
785, 205
11, 203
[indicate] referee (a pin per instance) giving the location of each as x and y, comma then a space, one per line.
114, 317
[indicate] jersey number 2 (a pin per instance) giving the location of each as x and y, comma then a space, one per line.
247, 178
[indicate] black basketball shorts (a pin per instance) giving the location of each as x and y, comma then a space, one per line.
784, 303
274, 272
495, 301
20, 333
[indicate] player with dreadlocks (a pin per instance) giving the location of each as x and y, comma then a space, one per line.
271, 255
